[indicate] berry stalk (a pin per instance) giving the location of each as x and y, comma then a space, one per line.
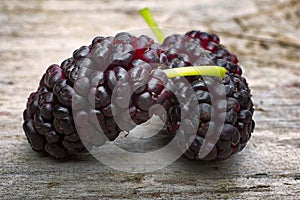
196, 70
146, 14
184, 71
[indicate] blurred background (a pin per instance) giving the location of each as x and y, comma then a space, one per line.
264, 34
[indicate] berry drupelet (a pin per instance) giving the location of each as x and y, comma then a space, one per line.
238, 111
70, 94
110, 85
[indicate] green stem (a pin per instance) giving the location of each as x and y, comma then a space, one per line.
146, 14
182, 71
196, 71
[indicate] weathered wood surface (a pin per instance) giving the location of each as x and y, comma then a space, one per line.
265, 35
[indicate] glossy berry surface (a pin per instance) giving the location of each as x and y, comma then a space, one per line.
76, 96
110, 86
232, 90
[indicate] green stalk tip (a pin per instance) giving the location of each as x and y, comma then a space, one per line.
196, 71
146, 14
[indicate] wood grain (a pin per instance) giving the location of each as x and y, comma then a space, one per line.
266, 36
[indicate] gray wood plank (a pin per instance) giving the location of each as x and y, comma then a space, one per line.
35, 34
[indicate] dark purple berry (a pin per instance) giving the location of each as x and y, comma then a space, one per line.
73, 109
36, 140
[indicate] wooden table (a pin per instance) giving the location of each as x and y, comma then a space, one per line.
265, 35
